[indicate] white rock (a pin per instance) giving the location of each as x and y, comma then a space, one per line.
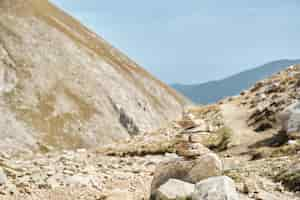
174, 190
216, 188
81, 150
292, 142
3, 177
78, 180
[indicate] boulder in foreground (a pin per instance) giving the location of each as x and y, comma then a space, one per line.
216, 188
174, 190
191, 171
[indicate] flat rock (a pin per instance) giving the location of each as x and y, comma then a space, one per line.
175, 190
78, 180
216, 188
191, 150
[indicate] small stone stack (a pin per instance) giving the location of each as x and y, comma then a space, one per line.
202, 120
197, 124
191, 150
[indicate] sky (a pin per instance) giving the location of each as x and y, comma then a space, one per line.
194, 41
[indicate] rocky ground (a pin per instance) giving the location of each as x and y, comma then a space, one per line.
78, 174
243, 131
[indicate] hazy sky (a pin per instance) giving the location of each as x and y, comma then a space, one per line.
194, 41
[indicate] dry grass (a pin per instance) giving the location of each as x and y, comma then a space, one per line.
139, 148
291, 180
273, 152
203, 110
55, 126
221, 140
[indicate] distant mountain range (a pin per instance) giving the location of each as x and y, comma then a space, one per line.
213, 91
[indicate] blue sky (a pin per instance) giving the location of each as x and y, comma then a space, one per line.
195, 41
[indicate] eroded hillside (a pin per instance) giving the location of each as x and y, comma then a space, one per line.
64, 86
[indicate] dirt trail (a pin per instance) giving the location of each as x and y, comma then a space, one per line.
235, 117
250, 171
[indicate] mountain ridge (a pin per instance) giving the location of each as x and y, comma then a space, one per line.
232, 85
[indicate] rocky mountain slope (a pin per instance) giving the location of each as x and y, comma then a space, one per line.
214, 91
63, 86
244, 147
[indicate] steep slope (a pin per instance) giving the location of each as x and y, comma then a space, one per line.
62, 85
216, 90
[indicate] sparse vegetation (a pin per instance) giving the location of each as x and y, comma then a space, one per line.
221, 140
277, 151
286, 150
291, 179
140, 148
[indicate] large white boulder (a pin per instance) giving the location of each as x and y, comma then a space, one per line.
216, 188
175, 190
